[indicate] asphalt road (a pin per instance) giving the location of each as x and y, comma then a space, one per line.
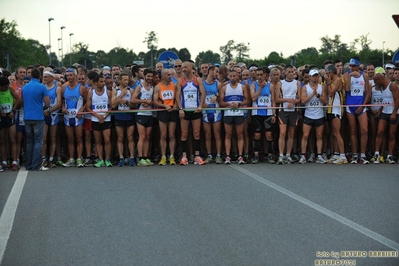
203, 215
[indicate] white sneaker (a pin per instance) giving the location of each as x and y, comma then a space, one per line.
320, 159
311, 158
389, 160
302, 160
340, 160
43, 168
288, 159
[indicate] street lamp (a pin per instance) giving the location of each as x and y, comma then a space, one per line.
59, 52
383, 53
49, 40
62, 47
70, 49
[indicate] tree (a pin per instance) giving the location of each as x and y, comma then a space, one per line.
242, 51
227, 51
184, 54
207, 57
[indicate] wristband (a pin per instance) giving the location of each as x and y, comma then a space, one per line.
180, 109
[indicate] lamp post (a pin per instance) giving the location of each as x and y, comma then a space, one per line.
59, 52
62, 47
49, 40
70, 49
383, 53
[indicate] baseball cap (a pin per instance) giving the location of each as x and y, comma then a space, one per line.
389, 66
313, 72
354, 62
379, 70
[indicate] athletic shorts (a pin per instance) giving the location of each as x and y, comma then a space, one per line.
288, 118
124, 123
387, 117
211, 117
191, 115
101, 126
331, 117
6, 121
73, 122
52, 120
259, 122
87, 125
19, 122
165, 116
352, 110
145, 120
314, 122
233, 120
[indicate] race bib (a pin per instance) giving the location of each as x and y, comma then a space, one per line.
168, 95
71, 113
264, 101
357, 91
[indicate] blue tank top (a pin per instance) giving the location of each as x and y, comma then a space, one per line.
211, 90
53, 97
263, 100
73, 100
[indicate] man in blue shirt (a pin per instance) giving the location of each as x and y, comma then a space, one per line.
33, 95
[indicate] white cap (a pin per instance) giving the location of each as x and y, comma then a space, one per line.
313, 72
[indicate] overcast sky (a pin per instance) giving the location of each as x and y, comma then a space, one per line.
281, 26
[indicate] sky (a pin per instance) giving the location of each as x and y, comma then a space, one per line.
265, 26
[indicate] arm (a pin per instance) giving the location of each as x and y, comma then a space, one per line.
59, 102
247, 96
221, 99
254, 95
323, 97
83, 92
304, 95
395, 93
203, 95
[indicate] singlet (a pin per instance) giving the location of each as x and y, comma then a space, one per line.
310, 111
100, 103
145, 95
124, 106
211, 91
174, 80
357, 91
289, 90
387, 98
264, 100
167, 94
52, 93
73, 101
134, 86
335, 103
234, 95
87, 116
376, 98
190, 95
6, 102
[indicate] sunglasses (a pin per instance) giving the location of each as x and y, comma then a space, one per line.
176, 66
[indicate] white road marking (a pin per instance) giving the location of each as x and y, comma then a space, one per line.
383, 240
8, 214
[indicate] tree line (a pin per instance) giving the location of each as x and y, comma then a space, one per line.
16, 51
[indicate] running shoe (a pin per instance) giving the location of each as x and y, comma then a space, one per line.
241, 160
382, 160
280, 160
184, 161
227, 160
191, 159
320, 159
14, 167
42, 168
79, 163
246, 158
302, 160
198, 160
255, 159
108, 163
69, 163
354, 160
341, 160
311, 158
121, 162
1, 169
99, 163
172, 161
218, 160
208, 159
288, 159
149, 162
59, 162
162, 161
132, 161
376, 159
44, 162
332, 159
51, 164
390, 160
142, 162
363, 160
270, 159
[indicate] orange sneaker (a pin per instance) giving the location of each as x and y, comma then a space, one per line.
183, 161
198, 160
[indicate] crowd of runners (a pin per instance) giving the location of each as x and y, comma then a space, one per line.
337, 113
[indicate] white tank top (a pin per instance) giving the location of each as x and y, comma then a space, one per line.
314, 108
387, 98
127, 97
145, 95
289, 91
376, 98
100, 103
234, 95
